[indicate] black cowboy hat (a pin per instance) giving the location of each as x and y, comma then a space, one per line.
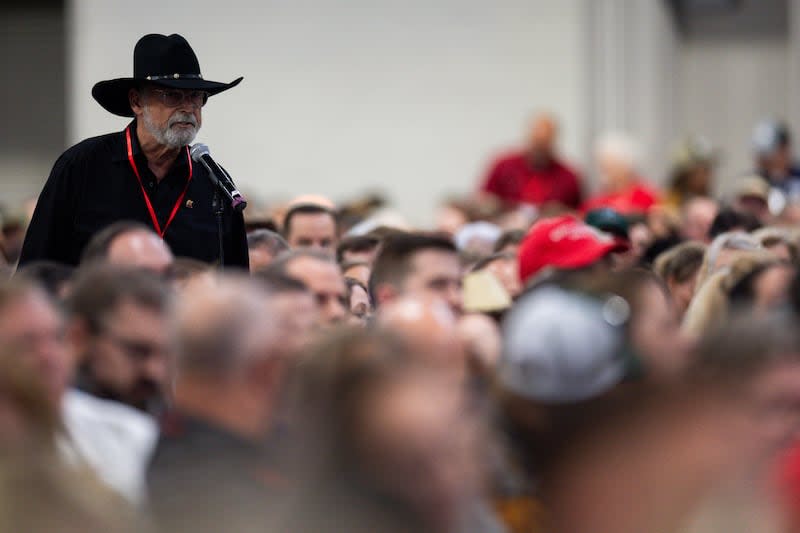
168, 61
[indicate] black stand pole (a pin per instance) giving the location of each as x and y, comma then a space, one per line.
219, 210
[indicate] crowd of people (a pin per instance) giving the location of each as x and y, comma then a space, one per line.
543, 359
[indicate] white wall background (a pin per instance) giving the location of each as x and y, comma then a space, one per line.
736, 72
408, 97
633, 52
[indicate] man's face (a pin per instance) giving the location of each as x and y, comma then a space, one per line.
32, 329
325, 281
297, 316
436, 273
142, 249
172, 121
417, 443
312, 230
755, 205
129, 360
542, 138
697, 220
260, 258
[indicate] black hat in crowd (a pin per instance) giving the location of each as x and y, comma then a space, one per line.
168, 61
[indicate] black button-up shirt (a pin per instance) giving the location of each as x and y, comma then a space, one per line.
93, 185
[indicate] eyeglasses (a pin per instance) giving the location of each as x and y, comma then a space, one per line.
176, 97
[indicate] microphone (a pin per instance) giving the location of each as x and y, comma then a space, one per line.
200, 154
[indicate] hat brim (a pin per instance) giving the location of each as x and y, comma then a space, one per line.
112, 95
589, 254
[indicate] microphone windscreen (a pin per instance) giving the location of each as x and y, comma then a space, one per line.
199, 150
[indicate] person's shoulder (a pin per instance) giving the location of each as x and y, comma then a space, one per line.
82, 409
91, 146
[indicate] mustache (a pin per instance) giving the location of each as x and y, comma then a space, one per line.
180, 116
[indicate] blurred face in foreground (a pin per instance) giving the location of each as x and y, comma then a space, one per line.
430, 326
775, 395
32, 330
129, 359
417, 443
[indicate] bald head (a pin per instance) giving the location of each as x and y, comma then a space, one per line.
140, 248
543, 134
429, 325
314, 199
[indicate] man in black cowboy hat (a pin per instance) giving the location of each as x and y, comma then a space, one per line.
144, 173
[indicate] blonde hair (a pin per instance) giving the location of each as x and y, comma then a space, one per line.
773, 236
732, 240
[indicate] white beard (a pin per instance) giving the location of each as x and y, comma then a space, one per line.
168, 136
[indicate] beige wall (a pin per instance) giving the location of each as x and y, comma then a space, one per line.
32, 59
735, 72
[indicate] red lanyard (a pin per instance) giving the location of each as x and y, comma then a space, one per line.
152, 211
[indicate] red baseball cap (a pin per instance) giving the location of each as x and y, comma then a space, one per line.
563, 242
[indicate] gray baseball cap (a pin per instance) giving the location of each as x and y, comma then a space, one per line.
564, 347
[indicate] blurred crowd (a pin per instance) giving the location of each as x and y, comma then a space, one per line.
556, 354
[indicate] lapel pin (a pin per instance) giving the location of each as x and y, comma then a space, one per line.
189, 204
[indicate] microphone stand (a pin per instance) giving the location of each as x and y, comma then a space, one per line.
219, 210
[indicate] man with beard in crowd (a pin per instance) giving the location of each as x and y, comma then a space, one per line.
119, 328
144, 173
112, 439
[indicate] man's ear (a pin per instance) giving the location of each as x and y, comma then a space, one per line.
135, 100
385, 293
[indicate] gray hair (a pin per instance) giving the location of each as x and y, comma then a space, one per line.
270, 240
224, 330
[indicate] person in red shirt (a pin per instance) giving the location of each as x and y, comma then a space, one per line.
535, 175
621, 187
